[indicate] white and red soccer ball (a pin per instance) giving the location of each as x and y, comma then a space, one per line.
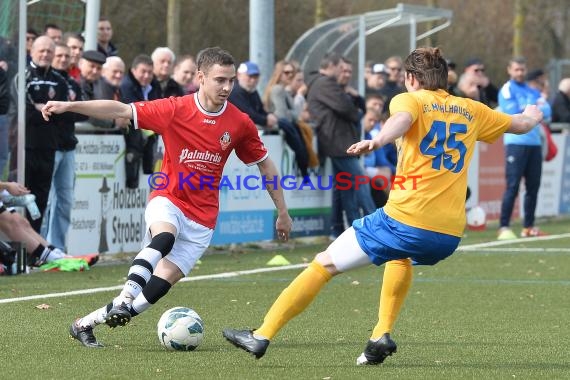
476, 218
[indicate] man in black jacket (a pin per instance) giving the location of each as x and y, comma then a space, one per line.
246, 97
139, 84
42, 84
561, 103
163, 63
57, 216
336, 117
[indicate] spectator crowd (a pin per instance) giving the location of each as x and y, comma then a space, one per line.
322, 107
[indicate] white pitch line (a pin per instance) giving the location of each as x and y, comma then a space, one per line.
263, 270
506, 242
550, 250
64, 294
119, 287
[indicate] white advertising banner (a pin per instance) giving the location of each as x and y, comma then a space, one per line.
309, 204
107, 217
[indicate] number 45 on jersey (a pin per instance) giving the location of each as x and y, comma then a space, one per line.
440, 144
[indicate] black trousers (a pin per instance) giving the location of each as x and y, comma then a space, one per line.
39, 173
297, 144
521, 161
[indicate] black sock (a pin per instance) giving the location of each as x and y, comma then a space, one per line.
38, 251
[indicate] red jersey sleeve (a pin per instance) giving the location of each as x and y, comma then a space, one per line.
153, 115
250, 150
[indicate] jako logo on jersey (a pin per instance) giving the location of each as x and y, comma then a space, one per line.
209, 121
187, 156
225, 140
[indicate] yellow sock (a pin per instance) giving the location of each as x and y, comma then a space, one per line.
294, 299
395, 286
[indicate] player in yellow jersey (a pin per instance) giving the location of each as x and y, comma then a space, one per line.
424, 218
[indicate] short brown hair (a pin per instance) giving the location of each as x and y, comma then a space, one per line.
429, 68
211, 56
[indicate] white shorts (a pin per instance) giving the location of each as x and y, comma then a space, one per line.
345, 252
192, 238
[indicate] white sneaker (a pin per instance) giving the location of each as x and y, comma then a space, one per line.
56, 254
505, 233
47, 256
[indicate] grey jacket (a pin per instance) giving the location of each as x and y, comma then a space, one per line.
282, 104
335, 116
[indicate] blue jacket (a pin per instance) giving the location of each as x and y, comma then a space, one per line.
379, 157
513, 98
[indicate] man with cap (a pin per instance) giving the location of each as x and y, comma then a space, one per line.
537, 79
92, 84
246, 97
452, 77
488, 91
393, 86
376, 80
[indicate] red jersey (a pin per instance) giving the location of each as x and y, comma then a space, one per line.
197, 145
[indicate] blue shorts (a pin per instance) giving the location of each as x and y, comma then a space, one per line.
383, 239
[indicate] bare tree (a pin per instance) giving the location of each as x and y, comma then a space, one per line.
318, 11
173, 25
518, 24
479, 29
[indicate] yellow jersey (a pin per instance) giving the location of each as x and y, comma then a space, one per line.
430, 185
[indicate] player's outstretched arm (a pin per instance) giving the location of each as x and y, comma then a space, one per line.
284, 223
524, 122
99, 109
396, 126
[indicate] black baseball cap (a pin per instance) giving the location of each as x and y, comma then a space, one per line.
534, 74
94, 56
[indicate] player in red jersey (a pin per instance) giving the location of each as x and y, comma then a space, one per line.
199, 132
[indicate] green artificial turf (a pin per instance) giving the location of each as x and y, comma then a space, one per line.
479, 314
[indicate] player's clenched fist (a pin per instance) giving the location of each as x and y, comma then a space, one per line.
52, 107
